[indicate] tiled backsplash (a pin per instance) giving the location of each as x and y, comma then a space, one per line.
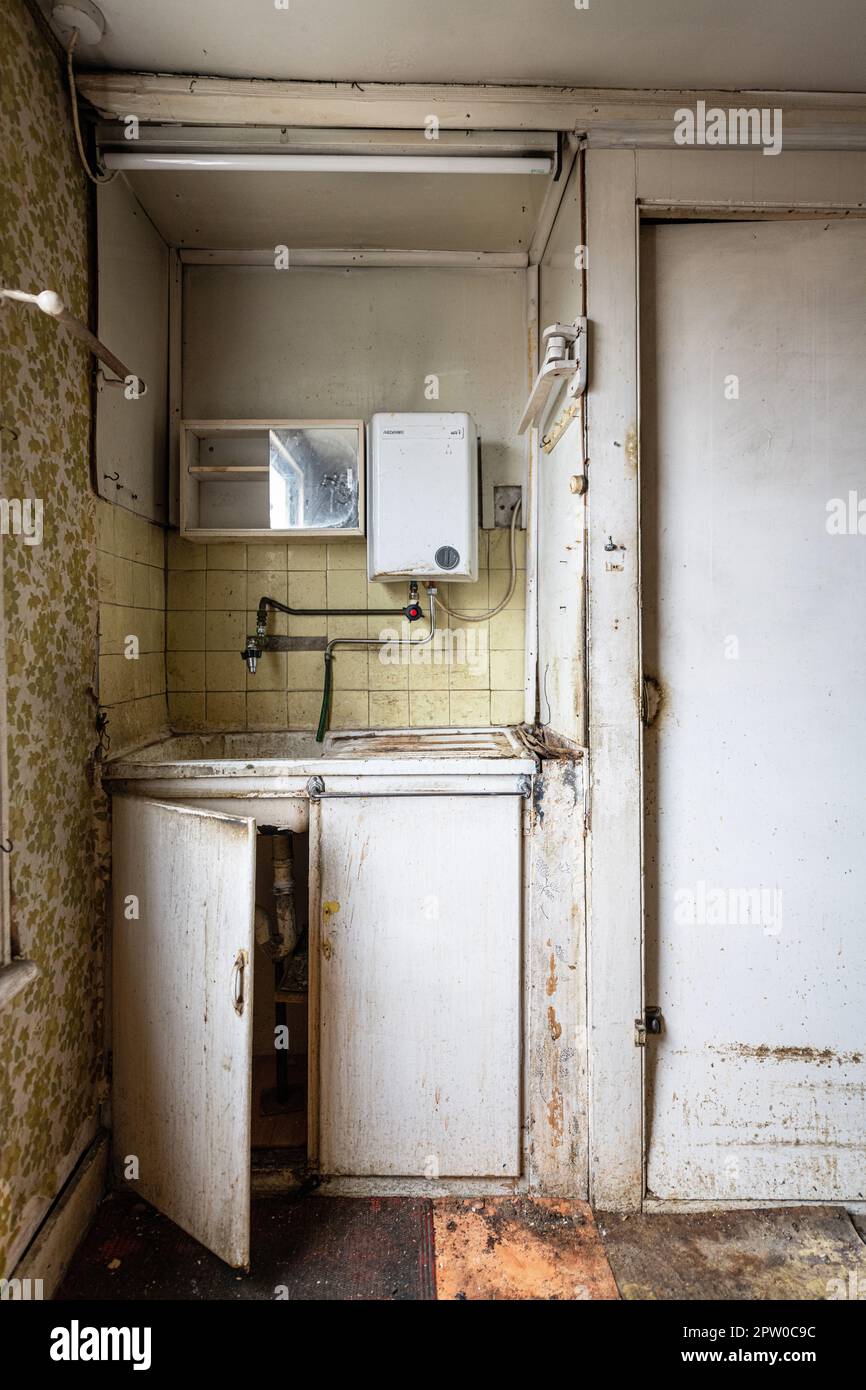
473, 676
131, 571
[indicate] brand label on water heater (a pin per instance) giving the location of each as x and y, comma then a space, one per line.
425, 432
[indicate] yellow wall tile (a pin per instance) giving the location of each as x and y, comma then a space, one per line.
266, 584
393, 596
212, 593
124, 583
384, 674
186, 711
186, 589
506, 670
105, 576
155, 666
152, 629
347, 555
140, 585
308, 589
350, 710
336, 627
110, 632
469, 708
499, 552
347, 589
226, 630
464, 598
105, 525
116, 680
185, 671
429, 667
266, 709
507, 630
305, 555
389, 709
499, 582
226, 711
428, 708
185, 555
473, 673
304, 709
226, 589
185, 632
270, 671
156, 548
225, 671
125, 534
350, 669
506, 706
228, 555
157, 587
266, 557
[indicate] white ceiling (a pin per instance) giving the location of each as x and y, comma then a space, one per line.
808, 45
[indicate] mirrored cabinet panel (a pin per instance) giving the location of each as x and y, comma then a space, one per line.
266, 478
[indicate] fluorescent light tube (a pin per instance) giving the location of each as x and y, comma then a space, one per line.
331, 163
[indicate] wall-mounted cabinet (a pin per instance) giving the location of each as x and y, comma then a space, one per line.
256, 479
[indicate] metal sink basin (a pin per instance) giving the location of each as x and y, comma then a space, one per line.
279, 747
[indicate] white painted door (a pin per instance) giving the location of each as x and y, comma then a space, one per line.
753, 420
420, 985
183, 900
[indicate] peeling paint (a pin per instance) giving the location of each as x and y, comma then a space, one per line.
764, 1052
552, 980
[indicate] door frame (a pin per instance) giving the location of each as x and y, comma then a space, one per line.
622, 186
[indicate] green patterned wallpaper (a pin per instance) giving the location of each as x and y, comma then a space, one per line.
50, 1035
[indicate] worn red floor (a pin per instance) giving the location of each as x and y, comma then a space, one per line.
347, 1248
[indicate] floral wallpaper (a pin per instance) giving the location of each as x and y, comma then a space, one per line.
51, 1033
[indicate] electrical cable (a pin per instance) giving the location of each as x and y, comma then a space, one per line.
482, 617
73, 97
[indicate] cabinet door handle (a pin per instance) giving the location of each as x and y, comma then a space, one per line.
238, 977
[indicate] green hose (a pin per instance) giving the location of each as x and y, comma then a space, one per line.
326, 700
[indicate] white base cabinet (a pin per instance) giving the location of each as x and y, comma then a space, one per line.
415, 996
419, 962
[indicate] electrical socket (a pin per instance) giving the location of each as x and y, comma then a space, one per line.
505, 499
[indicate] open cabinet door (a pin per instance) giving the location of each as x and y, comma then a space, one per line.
183, 905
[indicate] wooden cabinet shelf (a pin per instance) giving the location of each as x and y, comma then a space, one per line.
271, 479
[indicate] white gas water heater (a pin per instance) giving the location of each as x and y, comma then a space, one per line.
423, 497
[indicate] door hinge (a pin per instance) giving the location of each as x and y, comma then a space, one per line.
649, 1023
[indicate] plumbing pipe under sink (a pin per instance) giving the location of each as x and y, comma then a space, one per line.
279, 937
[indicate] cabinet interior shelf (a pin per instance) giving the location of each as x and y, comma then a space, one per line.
267, 479
238, 472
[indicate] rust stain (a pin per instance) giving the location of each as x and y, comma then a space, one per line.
552, 981
519, 1248
327, 948
556, 1118
553, 1023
